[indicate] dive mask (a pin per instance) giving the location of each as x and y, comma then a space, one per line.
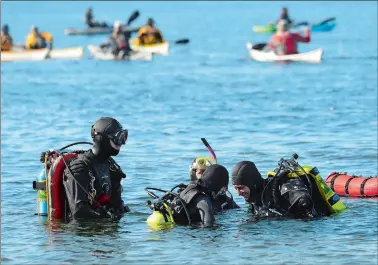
118, 138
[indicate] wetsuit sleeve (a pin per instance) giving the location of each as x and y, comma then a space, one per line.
300, 38
77, 198
205, 208
116, 197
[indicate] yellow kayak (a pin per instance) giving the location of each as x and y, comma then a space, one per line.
157, 48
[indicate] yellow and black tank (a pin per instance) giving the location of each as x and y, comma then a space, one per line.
331, 199
161, 217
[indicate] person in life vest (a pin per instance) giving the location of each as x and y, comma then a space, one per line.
204, 197
118, 41
284, 42
284, 197
91, 22
6, 39
198, 166
38, 40
149, 34
94, 172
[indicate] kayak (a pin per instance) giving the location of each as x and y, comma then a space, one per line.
28, 55
42, 54
105, 54
314, 56
314, 28
158, 48
96, 30
67, 53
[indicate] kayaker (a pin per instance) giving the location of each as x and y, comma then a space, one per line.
118, 41
203, 198
38, 40
284, 42
198, 166
282, 197
6, 39
91, 22
149, 34
97, 173
285, 15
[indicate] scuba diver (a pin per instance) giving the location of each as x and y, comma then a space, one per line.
196, 202
149, 34
38, 40
92, 180
284, 42
118, 41
198, 166
91, 22
6, 39
290, 190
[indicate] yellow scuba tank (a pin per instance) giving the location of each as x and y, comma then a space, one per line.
332, 200
161, 217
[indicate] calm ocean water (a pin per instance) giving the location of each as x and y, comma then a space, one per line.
327, 113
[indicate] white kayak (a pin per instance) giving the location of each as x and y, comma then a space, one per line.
157, 49
105, 54
67, 53
42, 54
314, 56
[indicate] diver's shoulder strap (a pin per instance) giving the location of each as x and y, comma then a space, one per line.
190, 192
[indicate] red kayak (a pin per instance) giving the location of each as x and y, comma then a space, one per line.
353, 186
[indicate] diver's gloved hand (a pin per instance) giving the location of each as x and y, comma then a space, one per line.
126, 209
115, 217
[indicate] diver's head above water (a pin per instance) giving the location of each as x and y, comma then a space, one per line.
247, 181
216, 178
108, 136
198, 166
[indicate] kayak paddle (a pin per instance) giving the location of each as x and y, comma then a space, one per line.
304, 23
326, 21
182, 41
210, 149
133, 16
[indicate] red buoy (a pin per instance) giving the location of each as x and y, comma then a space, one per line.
354, 186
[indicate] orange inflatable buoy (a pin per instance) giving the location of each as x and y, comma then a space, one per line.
354, 186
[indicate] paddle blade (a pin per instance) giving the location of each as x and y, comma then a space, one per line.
133, 16
327, 20
182, 41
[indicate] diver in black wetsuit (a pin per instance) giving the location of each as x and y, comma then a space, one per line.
96, 173
288, 197
206, 196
